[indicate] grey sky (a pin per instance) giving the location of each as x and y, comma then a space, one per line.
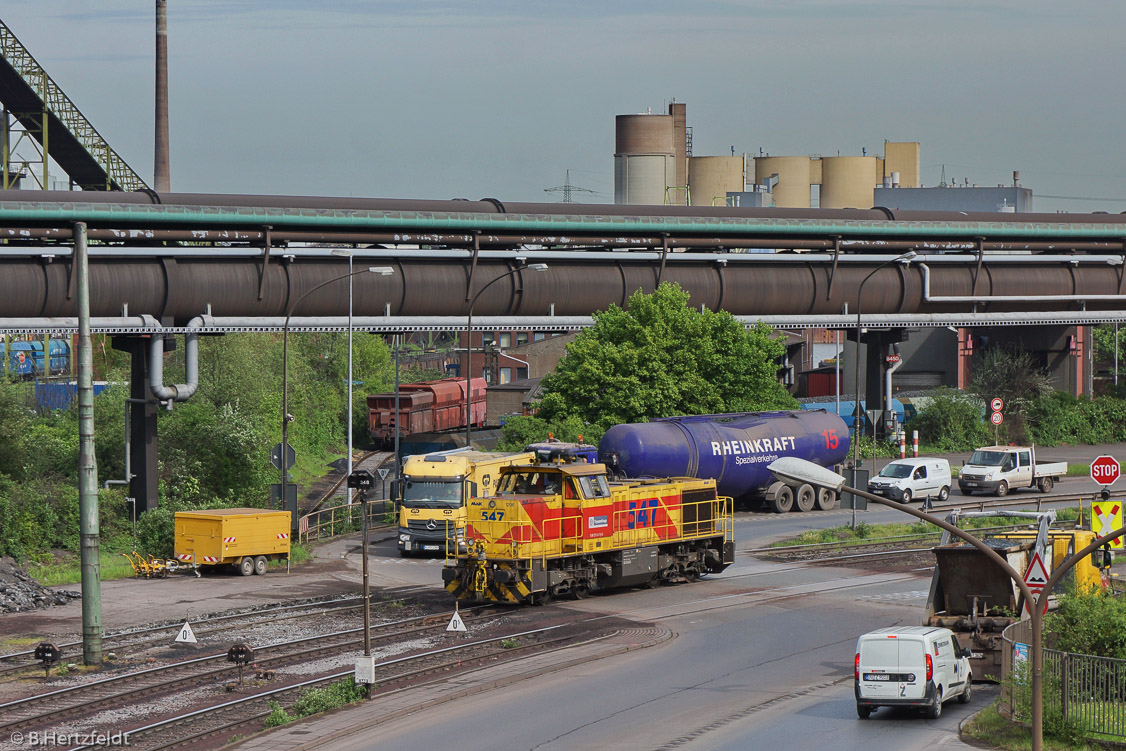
498, 98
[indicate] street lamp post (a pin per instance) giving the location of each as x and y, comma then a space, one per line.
341, 252
797, 470
288, 418
469, 342
906, 258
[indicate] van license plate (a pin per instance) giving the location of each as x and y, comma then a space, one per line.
877, 676
971, 484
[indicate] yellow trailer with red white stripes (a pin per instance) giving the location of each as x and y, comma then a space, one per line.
246, 538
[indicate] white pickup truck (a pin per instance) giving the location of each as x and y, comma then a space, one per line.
999, 469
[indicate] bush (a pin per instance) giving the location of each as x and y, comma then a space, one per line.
1091, 623
952, 422
1060, 418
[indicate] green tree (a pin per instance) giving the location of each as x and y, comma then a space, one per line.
15, 419
1012, 374
519, 431
659, 357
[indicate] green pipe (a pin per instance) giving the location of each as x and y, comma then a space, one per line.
120, 214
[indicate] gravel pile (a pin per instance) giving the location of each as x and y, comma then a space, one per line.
19, 592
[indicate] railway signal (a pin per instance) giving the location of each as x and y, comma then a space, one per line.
1105, 470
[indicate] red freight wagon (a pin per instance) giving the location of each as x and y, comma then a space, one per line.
425, 407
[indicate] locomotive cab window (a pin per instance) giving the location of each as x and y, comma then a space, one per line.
594, 486
529, 483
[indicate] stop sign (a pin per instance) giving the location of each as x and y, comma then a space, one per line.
1105, 470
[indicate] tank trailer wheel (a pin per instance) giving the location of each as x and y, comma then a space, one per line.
1045, 484
826, 499
805, 498
944, 494
246, 566
782, 499
1002, 489
260, 564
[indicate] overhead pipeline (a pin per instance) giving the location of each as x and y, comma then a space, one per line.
176, 289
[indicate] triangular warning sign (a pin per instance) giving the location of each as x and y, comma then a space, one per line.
1036, 576
186, 635
456, 624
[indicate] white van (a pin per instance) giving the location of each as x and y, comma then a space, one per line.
905, 480
910, 666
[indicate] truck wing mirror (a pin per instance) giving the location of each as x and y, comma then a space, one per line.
396, 488
1102, 558
967, 652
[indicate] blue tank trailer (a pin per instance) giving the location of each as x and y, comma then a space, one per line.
734, 450
25, 359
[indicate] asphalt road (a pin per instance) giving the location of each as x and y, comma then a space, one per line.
762, 659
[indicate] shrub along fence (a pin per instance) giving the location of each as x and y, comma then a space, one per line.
1083, 692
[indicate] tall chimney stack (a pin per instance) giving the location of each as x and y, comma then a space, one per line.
160, 163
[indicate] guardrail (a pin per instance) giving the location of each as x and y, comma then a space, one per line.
340, 520
1084, 691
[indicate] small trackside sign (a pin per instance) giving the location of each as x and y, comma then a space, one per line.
456, 624
186, 635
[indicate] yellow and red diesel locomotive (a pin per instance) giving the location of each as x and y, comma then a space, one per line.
564, 528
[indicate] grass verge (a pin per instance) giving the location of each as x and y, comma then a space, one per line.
864, 533
68, 569
990, 727
316, 700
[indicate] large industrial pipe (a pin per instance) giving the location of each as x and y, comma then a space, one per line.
180, 392
987, 221
177, 288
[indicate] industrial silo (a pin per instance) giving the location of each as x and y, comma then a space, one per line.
710, 178
791, 191
849, 182
644, 159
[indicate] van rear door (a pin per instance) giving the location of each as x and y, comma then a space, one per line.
892, 667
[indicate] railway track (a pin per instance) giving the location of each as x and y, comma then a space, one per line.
247, 714
374, 458
17, 662
75, 703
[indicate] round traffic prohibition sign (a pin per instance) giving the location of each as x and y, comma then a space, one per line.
996, 418
1105, 470
997, 404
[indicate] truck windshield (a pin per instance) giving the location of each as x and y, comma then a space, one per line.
987, 458
425, 493
896, 470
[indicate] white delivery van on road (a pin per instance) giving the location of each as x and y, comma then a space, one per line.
910, 666
905, 480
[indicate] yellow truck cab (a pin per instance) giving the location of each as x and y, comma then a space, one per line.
433, 490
